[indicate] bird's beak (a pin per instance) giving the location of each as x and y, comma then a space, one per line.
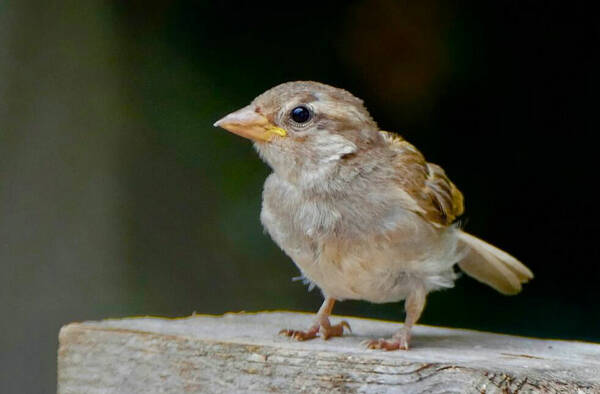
250, 124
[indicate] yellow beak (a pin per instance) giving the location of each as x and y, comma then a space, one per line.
247, 123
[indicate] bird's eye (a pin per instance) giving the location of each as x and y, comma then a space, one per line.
300, 114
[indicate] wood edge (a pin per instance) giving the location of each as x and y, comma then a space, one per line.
73, 333
65, 330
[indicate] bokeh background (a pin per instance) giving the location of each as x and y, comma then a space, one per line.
118, 197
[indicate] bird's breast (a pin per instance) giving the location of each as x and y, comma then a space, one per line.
352, 247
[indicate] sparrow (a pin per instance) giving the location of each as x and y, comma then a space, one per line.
359, 210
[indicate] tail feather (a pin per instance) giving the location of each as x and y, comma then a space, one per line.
492, 266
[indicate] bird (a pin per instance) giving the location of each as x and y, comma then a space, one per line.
359, 210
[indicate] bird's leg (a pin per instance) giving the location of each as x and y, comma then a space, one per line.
321, 325
414, 305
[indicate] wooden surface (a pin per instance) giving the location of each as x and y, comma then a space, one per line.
243, 353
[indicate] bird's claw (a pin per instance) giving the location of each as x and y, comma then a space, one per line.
392, 344
335, 331
325, 332
299, 335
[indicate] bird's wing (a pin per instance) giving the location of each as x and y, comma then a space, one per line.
440, 202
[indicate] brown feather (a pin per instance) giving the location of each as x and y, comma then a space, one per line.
427, 183
492, 266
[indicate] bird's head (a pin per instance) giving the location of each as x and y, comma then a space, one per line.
304, 126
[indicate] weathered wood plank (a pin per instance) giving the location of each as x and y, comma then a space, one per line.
242, 353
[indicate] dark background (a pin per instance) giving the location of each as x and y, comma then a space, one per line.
118, 197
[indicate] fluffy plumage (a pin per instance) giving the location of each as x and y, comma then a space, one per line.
359, 210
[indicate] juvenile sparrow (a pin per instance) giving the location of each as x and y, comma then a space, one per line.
359, 210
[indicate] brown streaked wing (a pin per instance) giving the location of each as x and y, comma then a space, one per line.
426, 183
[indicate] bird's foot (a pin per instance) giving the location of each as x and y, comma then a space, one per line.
326, 331
400, 341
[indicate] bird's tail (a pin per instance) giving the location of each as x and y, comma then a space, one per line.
492, 266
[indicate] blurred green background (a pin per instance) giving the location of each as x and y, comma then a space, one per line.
118, 197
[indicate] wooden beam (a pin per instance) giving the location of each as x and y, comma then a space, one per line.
242, 352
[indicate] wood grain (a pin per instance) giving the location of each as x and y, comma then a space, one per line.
242, 353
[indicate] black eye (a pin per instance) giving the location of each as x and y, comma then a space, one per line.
300, 114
